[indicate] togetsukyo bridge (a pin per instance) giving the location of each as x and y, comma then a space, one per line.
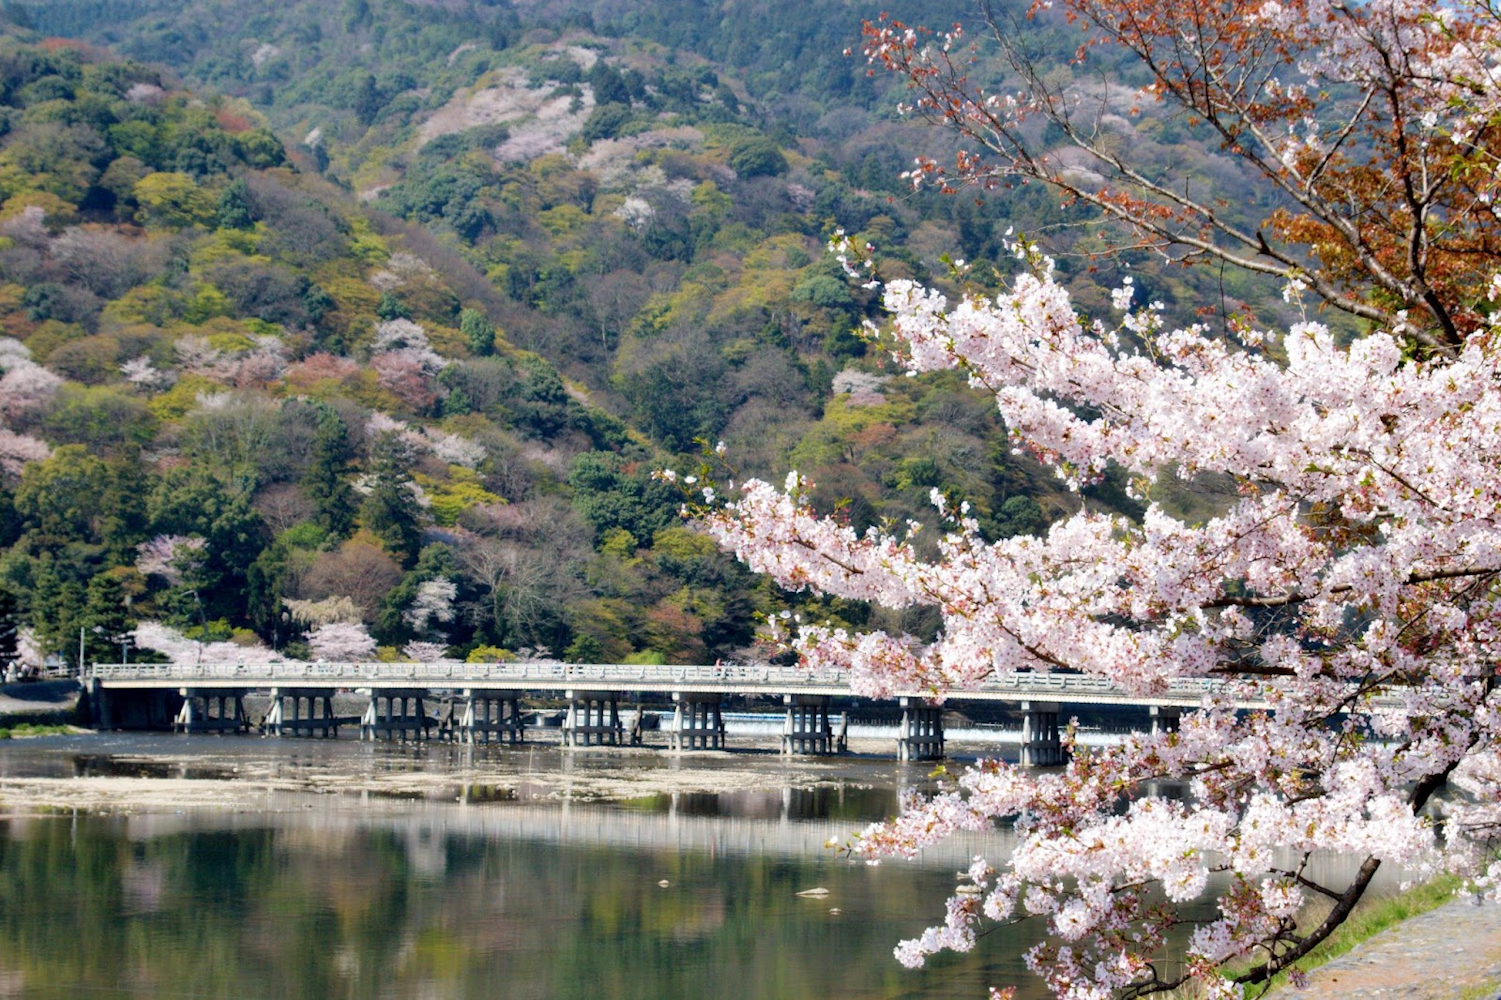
483, 702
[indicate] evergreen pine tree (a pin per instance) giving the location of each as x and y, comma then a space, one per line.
391, 511
325, 480
106, 618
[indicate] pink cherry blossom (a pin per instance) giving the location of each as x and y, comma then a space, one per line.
341, 642
1349, 583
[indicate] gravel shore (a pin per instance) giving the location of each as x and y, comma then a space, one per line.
1451, 953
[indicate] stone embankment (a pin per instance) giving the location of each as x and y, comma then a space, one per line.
42, 702
1451, 953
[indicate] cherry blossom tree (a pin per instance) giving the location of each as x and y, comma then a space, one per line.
171, 557
424, 652
196, 356
320, 367
18, 449
433, 605
341, 642
1352, 585
178, 648
456, 450
405, 375
24, 385
1349, 585
140, 371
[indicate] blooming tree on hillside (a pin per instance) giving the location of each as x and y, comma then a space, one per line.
170, 556
1352, 583
18, 449
178, 648
341, 642
433, 605
25, 386
424, 652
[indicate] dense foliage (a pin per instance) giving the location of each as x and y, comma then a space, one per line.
241, 403
369, 344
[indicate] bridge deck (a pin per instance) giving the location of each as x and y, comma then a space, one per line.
736, 679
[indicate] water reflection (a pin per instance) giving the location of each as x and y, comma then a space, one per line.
841, 800
476, 880
451, 901
449, 871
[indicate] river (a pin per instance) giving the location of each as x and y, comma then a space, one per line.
239, 867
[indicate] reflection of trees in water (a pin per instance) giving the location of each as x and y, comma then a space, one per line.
412, 910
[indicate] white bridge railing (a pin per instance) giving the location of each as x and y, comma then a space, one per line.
551, 675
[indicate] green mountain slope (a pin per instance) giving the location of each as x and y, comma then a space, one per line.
431, 342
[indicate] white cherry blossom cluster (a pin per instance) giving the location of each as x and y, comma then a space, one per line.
1350, 584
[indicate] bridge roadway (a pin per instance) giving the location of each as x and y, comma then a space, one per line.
728, 679
483, 702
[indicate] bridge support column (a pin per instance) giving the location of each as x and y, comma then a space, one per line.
697, 721
1040, 743
593, 718
393, 713
807, 728
489, 717
921, 734
1165, 717
303, 712
99, 707
211, 710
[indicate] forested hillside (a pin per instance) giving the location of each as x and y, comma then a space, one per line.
384, 313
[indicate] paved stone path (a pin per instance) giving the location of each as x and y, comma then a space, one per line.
1444, 954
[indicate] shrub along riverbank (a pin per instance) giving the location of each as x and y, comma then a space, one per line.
34, 729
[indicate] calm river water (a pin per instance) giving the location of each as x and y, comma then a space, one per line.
362, 870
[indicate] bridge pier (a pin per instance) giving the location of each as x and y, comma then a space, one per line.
807, 728
395, 712
1165, 717
489, 717
211, 710
1040, 744
593, 718
921, 734
697, 721
303, 712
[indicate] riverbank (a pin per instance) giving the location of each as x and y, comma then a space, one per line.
1449, 953
41, 703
